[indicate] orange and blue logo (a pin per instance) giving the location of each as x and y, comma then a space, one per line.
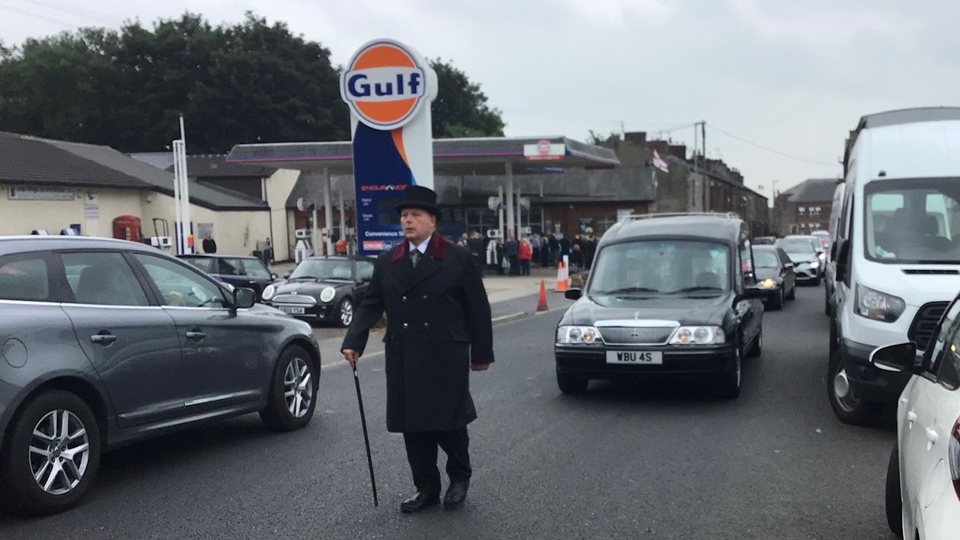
384, 85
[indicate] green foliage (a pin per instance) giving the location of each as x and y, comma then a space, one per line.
461, 109
239, 83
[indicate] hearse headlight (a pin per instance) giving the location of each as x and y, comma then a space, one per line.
586, 335
768, 283
698, 335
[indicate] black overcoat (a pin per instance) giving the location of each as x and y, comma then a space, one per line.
438, 323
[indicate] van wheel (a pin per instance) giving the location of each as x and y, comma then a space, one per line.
293, 391
53, 455
894, 504
849, 408
572, 384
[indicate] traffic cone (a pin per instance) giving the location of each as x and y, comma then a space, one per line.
542, 301
562, 284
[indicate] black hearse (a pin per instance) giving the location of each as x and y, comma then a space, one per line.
668, 294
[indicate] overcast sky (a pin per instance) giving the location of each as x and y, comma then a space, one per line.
790, 76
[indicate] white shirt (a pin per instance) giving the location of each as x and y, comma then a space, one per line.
422, 248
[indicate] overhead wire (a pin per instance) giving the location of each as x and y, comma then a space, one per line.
76, 10
771, 150
38, 16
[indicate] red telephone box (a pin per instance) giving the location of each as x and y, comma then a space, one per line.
127, 228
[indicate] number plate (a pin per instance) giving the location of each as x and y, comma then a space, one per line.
292, 310
635, 357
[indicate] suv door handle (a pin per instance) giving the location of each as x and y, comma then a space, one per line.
196, 334
911, 418
103, 338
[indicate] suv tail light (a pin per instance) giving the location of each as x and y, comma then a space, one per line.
953, 453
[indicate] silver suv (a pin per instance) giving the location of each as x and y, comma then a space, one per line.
106, 342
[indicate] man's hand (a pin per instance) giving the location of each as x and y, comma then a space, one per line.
479, 367
351, 356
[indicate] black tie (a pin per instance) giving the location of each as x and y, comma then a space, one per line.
415, 257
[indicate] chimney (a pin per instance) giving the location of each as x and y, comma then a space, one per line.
638, 138
678, 151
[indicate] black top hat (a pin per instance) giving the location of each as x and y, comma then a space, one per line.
419, 197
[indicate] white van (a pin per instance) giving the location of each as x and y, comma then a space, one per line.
896, 249
830, 270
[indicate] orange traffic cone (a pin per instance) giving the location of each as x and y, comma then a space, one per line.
542, 301
562, 284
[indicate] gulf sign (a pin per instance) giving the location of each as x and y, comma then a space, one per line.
388, 87
385, 84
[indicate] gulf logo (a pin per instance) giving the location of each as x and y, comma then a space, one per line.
384, 84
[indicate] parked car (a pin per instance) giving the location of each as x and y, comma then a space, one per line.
923, 475
776, 277
323, 289
237, 270
805, 253
108, 342
898, 266
765, 240
666, 295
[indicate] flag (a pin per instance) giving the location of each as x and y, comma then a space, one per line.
659, 163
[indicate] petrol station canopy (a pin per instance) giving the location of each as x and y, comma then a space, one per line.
481, 156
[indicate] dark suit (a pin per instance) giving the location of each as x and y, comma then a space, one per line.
438, 322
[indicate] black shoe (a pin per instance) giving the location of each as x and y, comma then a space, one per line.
420, 501
456, 494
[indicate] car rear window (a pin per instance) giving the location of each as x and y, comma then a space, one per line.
24, 279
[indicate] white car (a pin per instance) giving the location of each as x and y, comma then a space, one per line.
923, 477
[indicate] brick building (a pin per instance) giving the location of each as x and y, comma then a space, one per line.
805, 207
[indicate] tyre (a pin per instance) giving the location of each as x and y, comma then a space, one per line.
345, 312
776, 304
293, 391
730, 381
849, 408
572, 384
894, 504
53, 455
757, 348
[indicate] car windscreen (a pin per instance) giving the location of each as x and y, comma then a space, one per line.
661, 267
799, 249
765, 259
248, 267
323, 269
204, 264
914, 221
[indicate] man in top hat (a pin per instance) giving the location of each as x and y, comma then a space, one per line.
438, 330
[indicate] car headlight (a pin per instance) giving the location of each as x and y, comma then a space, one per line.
586, 335
269, 291
768, 283
698, 335
327, 294
877, 305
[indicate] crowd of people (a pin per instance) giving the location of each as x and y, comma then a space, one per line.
514, 257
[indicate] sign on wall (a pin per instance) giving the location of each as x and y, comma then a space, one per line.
388, 87
40, 193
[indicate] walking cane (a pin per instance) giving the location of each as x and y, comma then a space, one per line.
366, 438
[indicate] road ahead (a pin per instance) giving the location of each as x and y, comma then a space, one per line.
665, 461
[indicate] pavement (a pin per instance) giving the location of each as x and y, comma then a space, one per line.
661, 460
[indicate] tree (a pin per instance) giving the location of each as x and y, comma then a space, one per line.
461, 109
240, 83
243, 83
